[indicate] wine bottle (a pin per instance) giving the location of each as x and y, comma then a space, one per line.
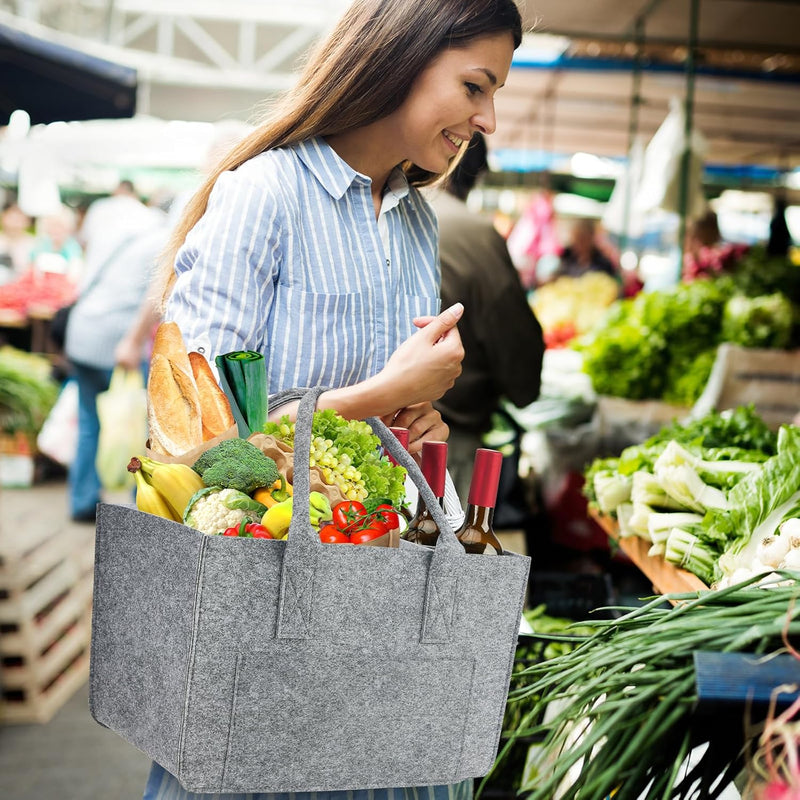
422, 529
401, 434
476, 533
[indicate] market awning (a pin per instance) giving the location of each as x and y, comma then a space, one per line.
53, 82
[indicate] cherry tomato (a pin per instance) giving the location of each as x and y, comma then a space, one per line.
348, 514
366, 534
388, 516
330, 534
257, 531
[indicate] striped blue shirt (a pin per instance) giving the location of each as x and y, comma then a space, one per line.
289, 260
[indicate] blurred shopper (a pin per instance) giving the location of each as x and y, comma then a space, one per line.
533, 242
311, 243
56, 248
584, 253
503, 342
780, 238
120, 258
16, 242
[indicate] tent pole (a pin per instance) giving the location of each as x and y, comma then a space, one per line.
686, 158
633, 128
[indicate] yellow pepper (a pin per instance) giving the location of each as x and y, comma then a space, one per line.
274, 494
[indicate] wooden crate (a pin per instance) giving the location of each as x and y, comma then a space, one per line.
665, 577
45, 619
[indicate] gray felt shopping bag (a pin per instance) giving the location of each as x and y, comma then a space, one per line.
247, 665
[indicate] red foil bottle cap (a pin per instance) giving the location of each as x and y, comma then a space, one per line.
401, 434
434, 465
485, 478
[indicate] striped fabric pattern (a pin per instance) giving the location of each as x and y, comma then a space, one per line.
161, 785
289, 261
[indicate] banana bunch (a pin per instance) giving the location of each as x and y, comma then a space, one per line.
163, 489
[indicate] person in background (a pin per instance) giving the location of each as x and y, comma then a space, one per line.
56, 248
503, 341
702, 233
780, 237
107, 325
16, 242
584, 254
311, 243
108, 220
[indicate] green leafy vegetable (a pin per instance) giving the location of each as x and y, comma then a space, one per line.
27, 391
355, 446
764, 321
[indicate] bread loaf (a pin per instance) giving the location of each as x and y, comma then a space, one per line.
173, 400
215, 408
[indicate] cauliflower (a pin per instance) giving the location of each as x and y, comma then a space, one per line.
213, 509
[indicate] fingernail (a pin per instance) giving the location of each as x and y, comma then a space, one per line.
457, 309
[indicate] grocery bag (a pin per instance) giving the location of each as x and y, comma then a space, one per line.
122, 411
249, 665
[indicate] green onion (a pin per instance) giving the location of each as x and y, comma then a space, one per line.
630, 688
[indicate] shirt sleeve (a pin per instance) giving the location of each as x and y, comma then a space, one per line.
227, 267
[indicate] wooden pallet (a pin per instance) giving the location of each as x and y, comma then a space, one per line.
666, 577
45, 619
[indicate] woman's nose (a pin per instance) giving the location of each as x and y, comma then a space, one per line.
485, 120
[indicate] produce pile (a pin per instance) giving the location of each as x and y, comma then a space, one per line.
27, 391
718, 496
569, 307
617, 715
235, 488
662, 344
34, 289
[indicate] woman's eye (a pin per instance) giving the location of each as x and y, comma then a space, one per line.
472, 88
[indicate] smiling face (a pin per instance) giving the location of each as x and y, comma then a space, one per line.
450, 100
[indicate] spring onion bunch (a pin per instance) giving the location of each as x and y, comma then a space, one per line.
621, 704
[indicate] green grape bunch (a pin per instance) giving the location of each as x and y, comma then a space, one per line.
349, 456
337, 469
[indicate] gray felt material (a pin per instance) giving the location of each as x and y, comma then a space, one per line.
247, 665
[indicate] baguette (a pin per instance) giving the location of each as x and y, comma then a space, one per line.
215, 408
173, 401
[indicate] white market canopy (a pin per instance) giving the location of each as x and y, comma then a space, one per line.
205, 61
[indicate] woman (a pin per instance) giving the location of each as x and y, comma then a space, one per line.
310, 242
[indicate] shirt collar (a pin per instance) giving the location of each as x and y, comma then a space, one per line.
337, 176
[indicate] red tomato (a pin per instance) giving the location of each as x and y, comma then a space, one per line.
330, 534
388, 516
366, 534
348, 514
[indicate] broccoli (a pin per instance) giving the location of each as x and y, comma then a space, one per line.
236, 464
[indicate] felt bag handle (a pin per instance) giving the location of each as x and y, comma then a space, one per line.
303, 545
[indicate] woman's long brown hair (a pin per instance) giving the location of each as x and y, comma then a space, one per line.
362, 72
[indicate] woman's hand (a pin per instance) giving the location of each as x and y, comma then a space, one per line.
426, 364
421, 370
128, 354
424, 423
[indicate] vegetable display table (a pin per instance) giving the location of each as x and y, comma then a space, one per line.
666, 577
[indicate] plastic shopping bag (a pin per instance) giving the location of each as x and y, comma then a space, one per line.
58, 437
122, 411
